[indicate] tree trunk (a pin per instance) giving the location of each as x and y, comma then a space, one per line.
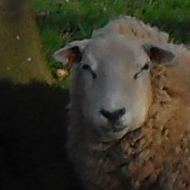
21, 56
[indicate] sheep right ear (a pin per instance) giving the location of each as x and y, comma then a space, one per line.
157, 53
72, 53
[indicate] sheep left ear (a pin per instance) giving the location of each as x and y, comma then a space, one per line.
72, 53
157, 53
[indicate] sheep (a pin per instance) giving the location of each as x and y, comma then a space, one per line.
130, 108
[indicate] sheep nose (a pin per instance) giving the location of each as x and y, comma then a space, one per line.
113, 116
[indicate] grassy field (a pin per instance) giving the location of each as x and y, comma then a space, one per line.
61, 21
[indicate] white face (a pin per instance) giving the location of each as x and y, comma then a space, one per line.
116, 92
111, 88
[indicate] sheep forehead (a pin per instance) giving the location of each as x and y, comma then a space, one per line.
115, 49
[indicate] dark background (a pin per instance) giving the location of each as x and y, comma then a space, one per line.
33, 120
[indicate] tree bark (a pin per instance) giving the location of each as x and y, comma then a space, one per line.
21, 57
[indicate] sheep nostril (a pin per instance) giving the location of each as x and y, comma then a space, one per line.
105, 113
113, 116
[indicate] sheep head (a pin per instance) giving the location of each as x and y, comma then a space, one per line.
116, 89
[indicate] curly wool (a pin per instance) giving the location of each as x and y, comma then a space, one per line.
156, 156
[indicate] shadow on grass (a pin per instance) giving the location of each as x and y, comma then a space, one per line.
33, 120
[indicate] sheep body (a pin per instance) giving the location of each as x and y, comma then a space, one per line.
153, 157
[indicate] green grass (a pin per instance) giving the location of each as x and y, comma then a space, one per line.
61, 21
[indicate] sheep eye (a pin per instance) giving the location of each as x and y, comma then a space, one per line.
87, 67
145, 67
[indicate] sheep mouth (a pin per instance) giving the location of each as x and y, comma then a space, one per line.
116, 130
116, 126
118, 133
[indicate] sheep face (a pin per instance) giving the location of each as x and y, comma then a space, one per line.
116, 87
117, 91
